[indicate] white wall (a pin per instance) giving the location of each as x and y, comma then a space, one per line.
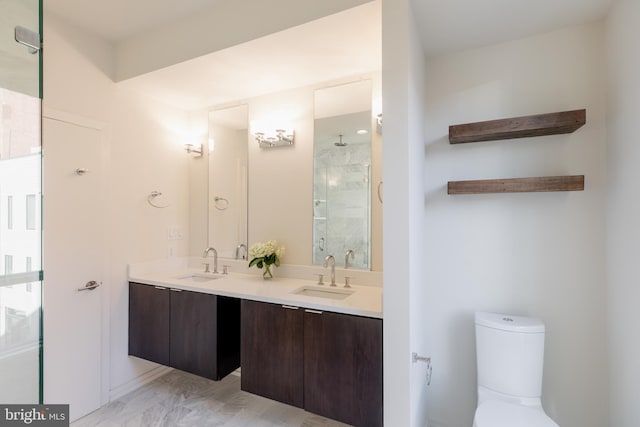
145, 155
281, 179
533, 254
403, 166
420, 342
623, 211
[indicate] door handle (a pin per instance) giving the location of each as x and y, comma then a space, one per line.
89, 286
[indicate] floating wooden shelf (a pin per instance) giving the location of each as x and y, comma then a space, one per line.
518, 185
518, 127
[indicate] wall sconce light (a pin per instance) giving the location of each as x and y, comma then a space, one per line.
195, 152
379, 123
275, 138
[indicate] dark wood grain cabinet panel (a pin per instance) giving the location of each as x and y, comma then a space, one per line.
149, 322
272, 351
368, 372
205, 334
327, 363
343, 367
191, 331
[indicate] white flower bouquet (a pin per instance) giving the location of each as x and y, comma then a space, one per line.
263, 255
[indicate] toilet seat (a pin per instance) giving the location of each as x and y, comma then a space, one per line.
496, 413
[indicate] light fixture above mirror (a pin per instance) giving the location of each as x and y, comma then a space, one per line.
274, 138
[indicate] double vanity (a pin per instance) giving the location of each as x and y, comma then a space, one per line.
312, 346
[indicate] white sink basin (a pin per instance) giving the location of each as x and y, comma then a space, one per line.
329, 293
198, 277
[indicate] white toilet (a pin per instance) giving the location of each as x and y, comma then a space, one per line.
510, 351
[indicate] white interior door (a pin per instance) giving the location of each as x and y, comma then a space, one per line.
74, 255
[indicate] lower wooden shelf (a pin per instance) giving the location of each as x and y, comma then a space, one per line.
517, 185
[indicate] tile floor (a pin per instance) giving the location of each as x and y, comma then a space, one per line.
183, 400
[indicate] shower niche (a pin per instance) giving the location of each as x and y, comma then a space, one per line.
342, 174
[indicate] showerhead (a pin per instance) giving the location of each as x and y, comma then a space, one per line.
340, 143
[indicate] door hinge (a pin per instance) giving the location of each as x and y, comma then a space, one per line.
29, 38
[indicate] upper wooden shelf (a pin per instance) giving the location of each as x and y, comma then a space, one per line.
518, 127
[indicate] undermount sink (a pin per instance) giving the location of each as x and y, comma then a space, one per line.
329, 293
197, 277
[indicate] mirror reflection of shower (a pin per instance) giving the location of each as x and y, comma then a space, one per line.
342, 173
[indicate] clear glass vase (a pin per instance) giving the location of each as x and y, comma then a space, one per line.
266, 274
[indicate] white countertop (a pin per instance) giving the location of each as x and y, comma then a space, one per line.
365, 300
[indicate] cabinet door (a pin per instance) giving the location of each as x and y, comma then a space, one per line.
368, 372
271, 355
193, 333
205, 333
149, 322
343, 367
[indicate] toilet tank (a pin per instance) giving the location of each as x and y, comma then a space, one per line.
510, 352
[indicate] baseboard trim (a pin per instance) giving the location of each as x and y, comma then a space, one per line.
138, 382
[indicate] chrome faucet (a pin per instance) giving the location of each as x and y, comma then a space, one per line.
346, 258
327, 259
215, 259
242, 247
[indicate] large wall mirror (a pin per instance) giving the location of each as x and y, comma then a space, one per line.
317, 197
342, 174
228, 136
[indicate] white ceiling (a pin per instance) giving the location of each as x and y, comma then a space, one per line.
452, 25
343, 44
118, 20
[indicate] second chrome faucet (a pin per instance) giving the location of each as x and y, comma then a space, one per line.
329, 259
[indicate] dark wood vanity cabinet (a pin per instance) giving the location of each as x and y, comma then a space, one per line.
149, 308
191, 331
205, 334
343, 367
327, 363
272, 351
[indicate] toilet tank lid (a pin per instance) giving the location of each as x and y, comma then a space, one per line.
507, 322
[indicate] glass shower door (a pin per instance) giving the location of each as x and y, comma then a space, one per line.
20, 203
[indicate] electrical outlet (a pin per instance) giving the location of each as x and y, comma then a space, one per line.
175, 232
